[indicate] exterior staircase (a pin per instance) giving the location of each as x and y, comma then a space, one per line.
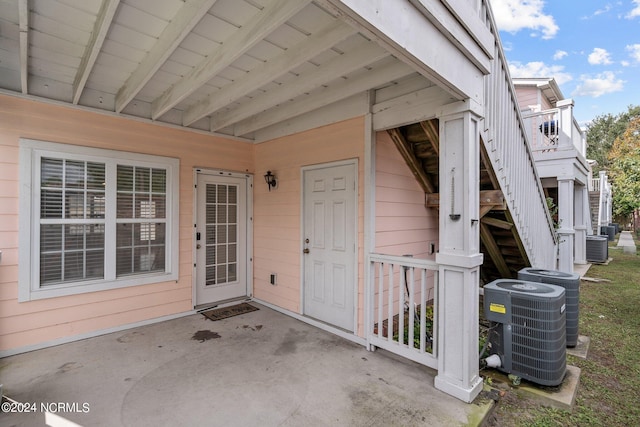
516, 229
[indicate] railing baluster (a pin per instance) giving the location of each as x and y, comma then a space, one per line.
412, 308
390, 306
401, 300
380, 299
423, 310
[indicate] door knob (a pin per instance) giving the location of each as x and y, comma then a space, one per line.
198, 246
305, 251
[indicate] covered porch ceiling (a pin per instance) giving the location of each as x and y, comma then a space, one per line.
230, 67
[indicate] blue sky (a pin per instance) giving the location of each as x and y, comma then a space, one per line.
591, 48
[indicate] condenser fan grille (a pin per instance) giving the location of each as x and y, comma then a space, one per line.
530, 332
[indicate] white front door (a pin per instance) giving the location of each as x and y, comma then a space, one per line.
329, 244
221, 237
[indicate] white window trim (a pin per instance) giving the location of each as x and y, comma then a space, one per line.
28, 279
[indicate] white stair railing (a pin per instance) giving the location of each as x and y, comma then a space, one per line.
505, 140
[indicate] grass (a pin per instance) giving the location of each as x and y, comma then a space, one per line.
610, 379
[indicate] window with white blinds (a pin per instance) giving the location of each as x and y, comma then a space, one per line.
95, 219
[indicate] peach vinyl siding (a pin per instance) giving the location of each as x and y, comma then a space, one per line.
277, 225
528, 97
33, 322
404, 225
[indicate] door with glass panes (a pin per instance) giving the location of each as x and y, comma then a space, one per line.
221, 237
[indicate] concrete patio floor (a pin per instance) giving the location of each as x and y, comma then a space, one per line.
257, 369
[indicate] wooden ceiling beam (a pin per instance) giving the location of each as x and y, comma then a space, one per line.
273, 15
98, 35
180, 26
293, 57
414, 164
253, 115
23, 20
489, 199
431, 130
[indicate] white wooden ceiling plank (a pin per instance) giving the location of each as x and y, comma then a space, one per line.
285, 37
367, 53
53, 57
264, 51
64, 14
213, 28
271, 17
49, 88
90, 6
230, 73
235, 12
270, 70
23, 18
343, 89
10, 78
199, 44
165, 9
46, 69
176, 68
9, 31
116, 64
99, 33
131, 37
54, 44
140, 20
311, 19
169, 40
185, 57
9, 12
9, 59
120, 50
45, 24
247, 63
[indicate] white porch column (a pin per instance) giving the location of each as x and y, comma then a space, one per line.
566, 123
566, 232
459, 256
581, 215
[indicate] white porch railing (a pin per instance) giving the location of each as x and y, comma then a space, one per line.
594, 184
554, 129
402, 309
505, 140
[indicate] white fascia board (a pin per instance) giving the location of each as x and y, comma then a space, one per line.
407, 33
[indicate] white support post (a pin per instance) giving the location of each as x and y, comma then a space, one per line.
459, 257
566, 232
602, 201
566, 123
581, 215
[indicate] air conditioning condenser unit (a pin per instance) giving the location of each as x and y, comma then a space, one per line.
528, 329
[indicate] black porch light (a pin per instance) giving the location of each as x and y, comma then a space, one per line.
270, 179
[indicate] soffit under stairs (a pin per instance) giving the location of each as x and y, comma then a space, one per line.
504, 254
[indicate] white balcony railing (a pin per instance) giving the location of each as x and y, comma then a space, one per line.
554, 129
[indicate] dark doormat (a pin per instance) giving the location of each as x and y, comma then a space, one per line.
223, 313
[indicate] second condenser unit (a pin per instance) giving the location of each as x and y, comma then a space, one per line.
571, 284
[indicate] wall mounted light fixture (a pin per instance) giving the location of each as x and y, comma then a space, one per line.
270, 179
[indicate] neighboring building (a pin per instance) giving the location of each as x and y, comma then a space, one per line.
135, 138
559, 147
